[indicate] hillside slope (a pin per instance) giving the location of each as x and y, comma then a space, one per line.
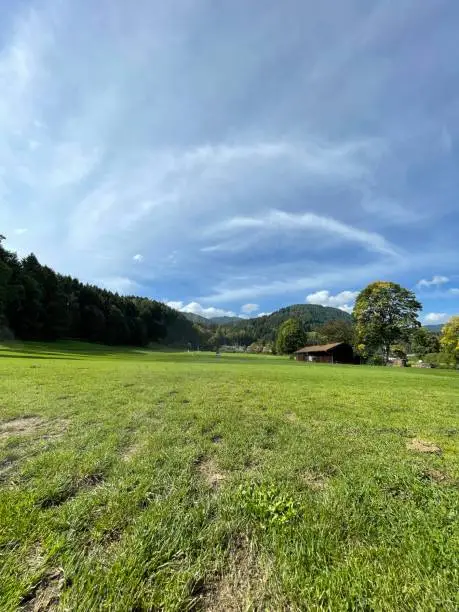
246, 331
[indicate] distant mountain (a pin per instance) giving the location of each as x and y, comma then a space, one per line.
235, 330
434, 328
195, 318
310, 314
246, 331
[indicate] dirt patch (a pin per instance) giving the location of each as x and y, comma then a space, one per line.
436, 476
25, 426
315, 481
6, 465
130, 452
46, 594
291, 416
420, 446
21, 426
208, 469
35, 557
242, 586
217, 439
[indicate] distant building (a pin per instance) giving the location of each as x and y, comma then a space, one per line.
337, 352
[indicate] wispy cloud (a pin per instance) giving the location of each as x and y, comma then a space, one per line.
232, 291
279, 221
138, 258
333, 181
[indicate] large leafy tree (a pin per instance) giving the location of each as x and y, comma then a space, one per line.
450, 339
337, 331
385, 313
290, 337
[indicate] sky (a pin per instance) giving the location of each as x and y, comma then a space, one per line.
234, 157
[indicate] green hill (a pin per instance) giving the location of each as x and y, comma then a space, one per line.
235, 330
226, 320
195, 318
436, 329
264, 329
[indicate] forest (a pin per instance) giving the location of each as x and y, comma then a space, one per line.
37, 303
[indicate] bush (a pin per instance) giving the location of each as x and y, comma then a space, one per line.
376, 360
439, 360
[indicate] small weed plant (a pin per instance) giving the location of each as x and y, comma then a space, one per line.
267, 504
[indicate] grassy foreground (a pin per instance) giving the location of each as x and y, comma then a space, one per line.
132, 480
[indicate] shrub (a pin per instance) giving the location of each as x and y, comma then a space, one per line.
376, 360
439, 360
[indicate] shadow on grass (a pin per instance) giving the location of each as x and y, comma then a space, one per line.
49, 356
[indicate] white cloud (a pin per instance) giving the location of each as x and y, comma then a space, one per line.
263, 314
138, 257
435, 318
279, 221
196, 308
435, 281
249, 308
344, 300
454, 290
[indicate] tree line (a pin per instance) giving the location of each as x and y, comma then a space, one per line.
36, 303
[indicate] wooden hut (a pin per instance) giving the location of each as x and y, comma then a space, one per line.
336, 352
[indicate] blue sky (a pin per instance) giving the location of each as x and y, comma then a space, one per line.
234, 156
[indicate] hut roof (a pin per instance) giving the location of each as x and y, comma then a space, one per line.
319, 348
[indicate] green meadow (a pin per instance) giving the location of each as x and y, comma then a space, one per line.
148, 480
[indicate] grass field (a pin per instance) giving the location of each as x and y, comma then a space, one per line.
132, 480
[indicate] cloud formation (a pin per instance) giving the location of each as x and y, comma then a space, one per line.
435, 318
287, 163
250, 308
343, 300
435, 281
196, 308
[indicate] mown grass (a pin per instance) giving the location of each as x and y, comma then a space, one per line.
136, 480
